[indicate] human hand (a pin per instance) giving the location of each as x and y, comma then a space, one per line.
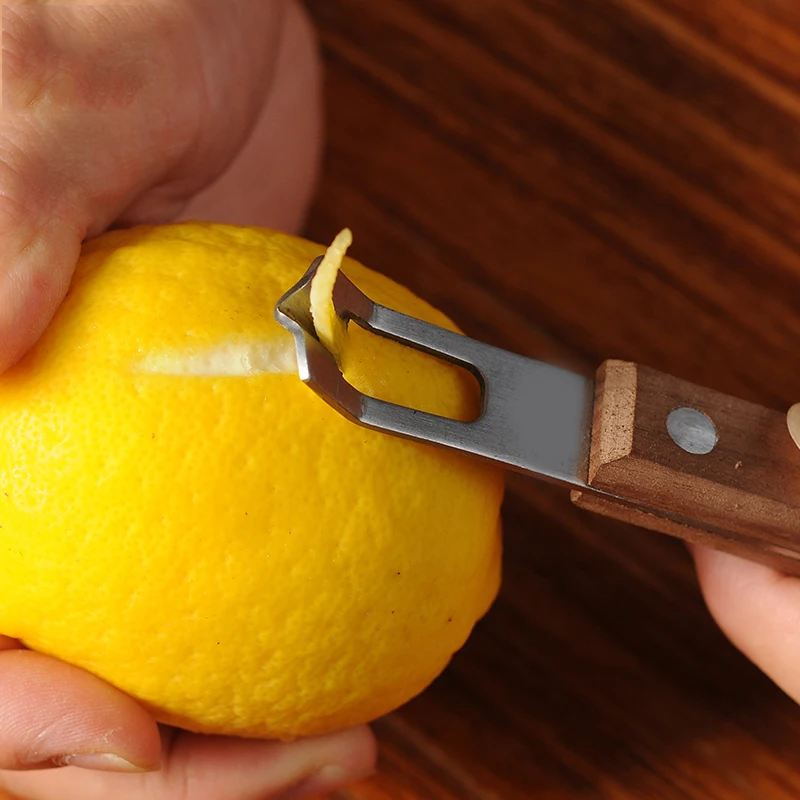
53, 714
117, 114
758, 608
112, 115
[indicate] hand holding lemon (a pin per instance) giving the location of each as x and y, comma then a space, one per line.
118, 115
189, 535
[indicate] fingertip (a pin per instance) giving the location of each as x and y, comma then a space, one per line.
758, 609
793, 423
52, 714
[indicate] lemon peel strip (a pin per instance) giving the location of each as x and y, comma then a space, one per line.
330, 329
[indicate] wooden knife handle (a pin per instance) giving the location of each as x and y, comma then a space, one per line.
742, 496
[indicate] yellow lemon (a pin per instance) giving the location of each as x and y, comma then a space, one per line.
184, 518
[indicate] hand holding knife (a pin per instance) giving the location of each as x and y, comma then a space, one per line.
634, 444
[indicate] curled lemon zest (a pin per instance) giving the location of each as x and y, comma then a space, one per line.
329, 327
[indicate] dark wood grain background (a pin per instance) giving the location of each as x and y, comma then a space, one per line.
576, 180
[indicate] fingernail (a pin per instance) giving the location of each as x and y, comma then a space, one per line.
325, 780
106, 762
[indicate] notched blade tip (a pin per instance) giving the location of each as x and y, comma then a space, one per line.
295, 304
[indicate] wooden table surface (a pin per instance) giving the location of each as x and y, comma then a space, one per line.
576, 180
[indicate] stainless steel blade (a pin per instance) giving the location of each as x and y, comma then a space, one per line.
534, 417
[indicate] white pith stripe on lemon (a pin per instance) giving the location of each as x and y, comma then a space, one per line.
229, 359
243, 359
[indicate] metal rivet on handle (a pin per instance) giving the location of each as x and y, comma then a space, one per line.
692, 431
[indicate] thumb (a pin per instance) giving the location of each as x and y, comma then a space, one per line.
38, 253
112, 112
66, 170
53, 714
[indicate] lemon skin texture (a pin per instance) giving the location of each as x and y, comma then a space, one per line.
184, 518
